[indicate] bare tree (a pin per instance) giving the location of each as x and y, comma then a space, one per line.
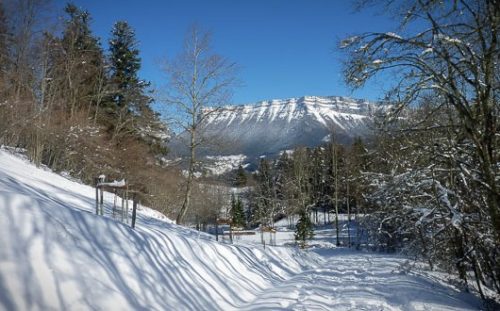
199, 82
335, 196
453, 54
444, 64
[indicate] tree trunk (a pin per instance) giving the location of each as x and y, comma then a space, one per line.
187, 195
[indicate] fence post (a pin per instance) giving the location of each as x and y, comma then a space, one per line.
217, 228
102, 201
114, 203
97, 196
231, 232
123, 204
126, 204
134, 211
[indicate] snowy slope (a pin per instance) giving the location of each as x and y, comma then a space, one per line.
55, 254
268, 127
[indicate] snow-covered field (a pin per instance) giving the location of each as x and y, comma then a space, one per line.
55, 254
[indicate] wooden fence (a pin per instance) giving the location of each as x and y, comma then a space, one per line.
121, 193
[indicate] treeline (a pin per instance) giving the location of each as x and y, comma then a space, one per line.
322, 179
75, 105
326, 179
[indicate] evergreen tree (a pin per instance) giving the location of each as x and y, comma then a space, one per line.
77, 34
237, 212
304, 229
241, 177
125, 65
130, 101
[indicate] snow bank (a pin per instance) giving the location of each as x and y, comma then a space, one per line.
57, 255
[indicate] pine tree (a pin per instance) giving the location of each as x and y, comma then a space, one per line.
125, 64
130, 101
304, 229
77, 33
237, 212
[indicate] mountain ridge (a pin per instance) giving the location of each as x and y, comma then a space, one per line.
342, 104
268, 127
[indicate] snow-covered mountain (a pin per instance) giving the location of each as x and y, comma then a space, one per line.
269, 127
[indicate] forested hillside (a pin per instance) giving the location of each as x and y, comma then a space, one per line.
75, 103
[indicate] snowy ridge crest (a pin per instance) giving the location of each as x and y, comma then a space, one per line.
271, 126
319, 106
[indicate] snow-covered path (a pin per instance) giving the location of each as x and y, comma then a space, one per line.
55, 254
362, 281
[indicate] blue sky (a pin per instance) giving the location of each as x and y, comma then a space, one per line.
286, 48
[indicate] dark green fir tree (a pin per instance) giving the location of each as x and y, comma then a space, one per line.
130, 101
304, 229
237, 212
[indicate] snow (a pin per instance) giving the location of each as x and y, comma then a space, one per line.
218, 165
427, 51
338, 110
274, 125
393, 35
55, 254
348, 42
170, 162
185, 173
114, 183
292, 108
447, 39
354, 281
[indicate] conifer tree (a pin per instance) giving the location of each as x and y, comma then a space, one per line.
237, 212
77, 32
304, 229
125, 64
129, 99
